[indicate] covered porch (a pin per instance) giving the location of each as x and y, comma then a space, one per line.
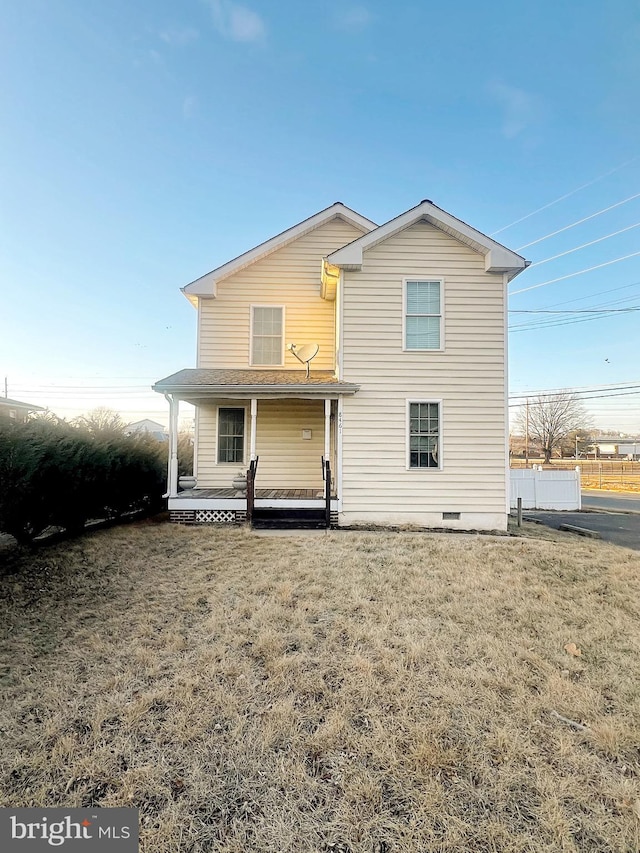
280, 429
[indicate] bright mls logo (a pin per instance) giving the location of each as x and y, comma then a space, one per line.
79, 830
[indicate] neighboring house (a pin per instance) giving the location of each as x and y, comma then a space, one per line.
616, 447
148, 427
14, 410
406, 398
630, 448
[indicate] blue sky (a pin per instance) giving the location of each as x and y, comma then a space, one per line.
146, 143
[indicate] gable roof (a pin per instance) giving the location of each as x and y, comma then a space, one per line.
498, 259
206, 284
16, 404
146, 424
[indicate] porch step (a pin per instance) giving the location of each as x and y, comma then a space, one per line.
292, 519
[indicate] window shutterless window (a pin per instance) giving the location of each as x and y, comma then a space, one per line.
424, 435
423, 314
230, 435
267, 333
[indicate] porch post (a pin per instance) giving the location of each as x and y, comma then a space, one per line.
338, 477
327, 429
172, 485
254, 420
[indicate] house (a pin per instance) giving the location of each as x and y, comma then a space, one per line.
616, 447
401, 416
630, 448
15, 411
147, 427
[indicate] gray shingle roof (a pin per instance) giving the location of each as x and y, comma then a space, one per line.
195, 379
16, 404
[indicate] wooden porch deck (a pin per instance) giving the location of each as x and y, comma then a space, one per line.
261, 494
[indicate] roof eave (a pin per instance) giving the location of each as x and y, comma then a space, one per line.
27, 407
500, 260
498, 257
341, 389
206, 284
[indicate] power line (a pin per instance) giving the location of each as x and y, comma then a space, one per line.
594, 397
572, 274
579, 222
574, 311
96, 387
585, 245
544, 322
567, 195
532, 327
597, 293
587, 389
556, 319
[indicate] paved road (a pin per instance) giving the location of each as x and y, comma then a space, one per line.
619, 528
625, 502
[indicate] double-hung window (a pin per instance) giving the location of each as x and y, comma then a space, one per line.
230, 435
423, 314
267, 334
424, 434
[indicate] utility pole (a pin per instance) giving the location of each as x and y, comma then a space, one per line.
526, 437
576, 445
6, 387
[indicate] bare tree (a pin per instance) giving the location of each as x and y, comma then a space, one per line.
550, 418
101, 421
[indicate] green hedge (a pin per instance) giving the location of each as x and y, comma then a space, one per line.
56, 474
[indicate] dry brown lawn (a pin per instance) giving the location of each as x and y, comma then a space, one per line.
369, 692
611, 483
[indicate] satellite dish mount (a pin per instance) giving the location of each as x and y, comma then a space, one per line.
304, 353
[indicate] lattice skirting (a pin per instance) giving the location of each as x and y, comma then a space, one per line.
207, 516
215, 516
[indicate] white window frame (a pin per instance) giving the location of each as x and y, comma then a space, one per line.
245, 451
404, 312
282, 352
408, 432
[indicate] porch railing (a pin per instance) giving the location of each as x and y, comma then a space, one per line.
251, 488
327, 493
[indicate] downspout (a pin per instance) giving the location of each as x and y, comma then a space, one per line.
172, 465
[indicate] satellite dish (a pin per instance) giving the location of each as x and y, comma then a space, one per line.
304, 353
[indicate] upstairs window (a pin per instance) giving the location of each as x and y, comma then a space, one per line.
267, 335
231, 435
422, 315
424, 435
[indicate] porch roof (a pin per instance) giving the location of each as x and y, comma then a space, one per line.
204, 382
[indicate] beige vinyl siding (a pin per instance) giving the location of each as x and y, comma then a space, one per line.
468, 377
289, 276
212, 475
286, 459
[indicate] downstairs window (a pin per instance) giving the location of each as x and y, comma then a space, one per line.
424, 434
230, 435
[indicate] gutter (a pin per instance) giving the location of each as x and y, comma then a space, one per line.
336, 388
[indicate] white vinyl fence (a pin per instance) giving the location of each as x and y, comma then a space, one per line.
541, 489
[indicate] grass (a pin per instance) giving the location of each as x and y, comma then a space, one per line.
362, 692
611, 483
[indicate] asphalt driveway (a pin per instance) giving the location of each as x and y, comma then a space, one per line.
615, 527
611, 501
